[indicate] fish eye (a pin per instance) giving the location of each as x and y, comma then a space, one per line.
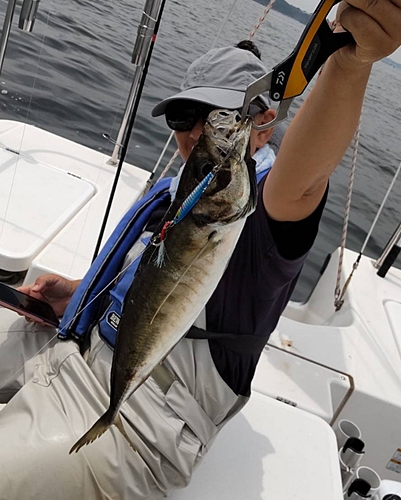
205, 168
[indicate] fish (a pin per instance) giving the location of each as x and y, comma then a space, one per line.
173, 284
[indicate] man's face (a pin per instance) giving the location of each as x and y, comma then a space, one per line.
186, 140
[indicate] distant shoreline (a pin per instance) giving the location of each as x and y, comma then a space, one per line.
303, 17
288, 10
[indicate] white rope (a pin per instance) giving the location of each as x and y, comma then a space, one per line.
339, 294
381, 208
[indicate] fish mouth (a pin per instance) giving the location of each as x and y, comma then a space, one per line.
227, 131
228, 140
231, 193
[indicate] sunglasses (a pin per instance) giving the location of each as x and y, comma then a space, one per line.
183, 115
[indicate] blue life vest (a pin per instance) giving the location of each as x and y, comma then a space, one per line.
98, 284
82, 311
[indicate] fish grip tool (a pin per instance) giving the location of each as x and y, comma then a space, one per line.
289, 78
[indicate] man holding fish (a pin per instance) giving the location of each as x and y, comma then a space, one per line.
214, 239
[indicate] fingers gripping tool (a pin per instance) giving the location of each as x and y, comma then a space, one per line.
289, 78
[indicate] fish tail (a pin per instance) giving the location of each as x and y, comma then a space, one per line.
100, 427
119, 424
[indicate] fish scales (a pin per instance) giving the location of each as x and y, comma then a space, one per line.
164, 300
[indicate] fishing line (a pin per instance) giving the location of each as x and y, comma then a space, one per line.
130, 126
26, 119
381, 208
72, 319
24, 132
223, 24
184, 209
339, 297
102, 162
38, 352
129, 129
187, 205
182, 276
150, 182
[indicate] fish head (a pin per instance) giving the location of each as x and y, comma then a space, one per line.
223, 149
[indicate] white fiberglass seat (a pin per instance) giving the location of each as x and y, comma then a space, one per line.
270, 451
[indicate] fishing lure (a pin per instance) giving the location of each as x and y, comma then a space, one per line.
188, 204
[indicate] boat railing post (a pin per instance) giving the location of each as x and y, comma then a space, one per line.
390, 253
143, 41
5, 34
27, 19
28, 15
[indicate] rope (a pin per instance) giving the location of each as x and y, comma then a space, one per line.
167, 167
381, 208
340, 300
339, 294
251, 34
261, 19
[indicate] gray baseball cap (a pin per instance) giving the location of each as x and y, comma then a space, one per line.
219, 78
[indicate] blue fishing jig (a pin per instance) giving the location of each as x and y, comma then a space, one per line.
188, 204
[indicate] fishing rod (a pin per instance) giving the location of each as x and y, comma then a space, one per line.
142, 54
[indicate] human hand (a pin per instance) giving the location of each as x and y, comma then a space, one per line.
375, 26
53, 289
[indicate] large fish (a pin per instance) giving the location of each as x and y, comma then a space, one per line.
168, 294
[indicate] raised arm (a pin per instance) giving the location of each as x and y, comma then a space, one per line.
319, 135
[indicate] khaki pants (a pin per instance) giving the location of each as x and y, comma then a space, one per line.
54, 396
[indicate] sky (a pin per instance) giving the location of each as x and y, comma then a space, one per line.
310, 5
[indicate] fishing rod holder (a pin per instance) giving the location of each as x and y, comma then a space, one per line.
28, 15
350, 456
365, 484
390, 253
145, 34
5, 33
27, 19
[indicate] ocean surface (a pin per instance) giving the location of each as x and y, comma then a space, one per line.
71, 76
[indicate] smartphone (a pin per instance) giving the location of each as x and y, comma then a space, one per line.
27, 305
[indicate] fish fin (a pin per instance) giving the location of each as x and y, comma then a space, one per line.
210, 240
99, 428
119, 424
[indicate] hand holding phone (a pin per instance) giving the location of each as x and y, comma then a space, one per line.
53, 289
28, 306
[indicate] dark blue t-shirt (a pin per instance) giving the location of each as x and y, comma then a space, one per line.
256, 287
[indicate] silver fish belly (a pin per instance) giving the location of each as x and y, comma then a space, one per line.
164, 300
